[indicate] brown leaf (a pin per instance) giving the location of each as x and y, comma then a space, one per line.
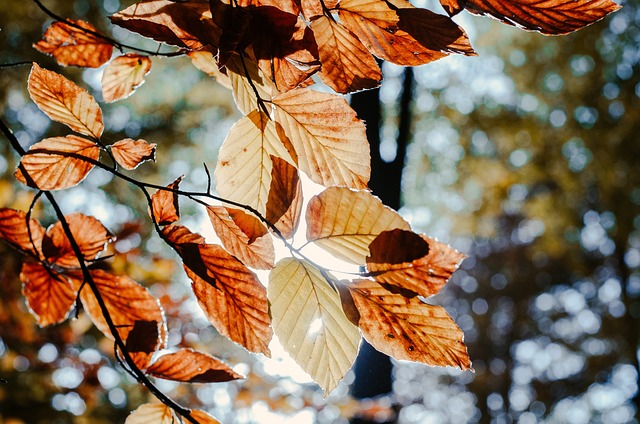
89, 233
50, 296
329, 140
178, 235
70, 45
284, 206
13, 230
550, 17
405, 36
408, 328
130, 153
123, 76
206, 62
143, 341
203, 418
164, 204
312, 9
152, 413
128, 303
347, 65
65, 102
235, 24
189, 366
184, 24
416, 264
453, 7
57, 163
256, 250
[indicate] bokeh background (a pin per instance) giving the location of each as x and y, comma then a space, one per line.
527, 158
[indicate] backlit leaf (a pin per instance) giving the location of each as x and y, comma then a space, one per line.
550, 17
70, 45
65, 102
285, 197
243, 88
452, 7
130, 153
164, 204
152, 413
50, 296
190, 366
412, 262
309, 322
345, 222
203, 418
57, 163
347, 65
243, 172
14, 230
408, 328
206, 62
258, 253
89, 233
329, 140
123, 75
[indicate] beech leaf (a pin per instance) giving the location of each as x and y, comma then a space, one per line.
70, 45
14, 230
309, 322
152, 413
130, 153
345, 222
65, 102
243, 86
57, 163
50, 296
164, 204
285, 197
203, 417
206, 62
189, 366
330, 141
123, 76
408, 328
416, 264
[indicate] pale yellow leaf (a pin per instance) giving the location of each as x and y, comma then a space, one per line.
308, 319
123, 75
152, 413
206, 62
345, 222
244, 94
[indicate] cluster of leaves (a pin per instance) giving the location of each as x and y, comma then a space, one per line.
266, 52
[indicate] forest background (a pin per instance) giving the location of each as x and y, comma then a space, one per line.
526, 158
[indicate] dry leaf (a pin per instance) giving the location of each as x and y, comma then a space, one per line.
57, 163
242, 86
130, 153
206, 62
190, 366
152, 413
285, 197
50, 296
70, 45
164, 204
65, 102
203, 418
123, 76
13, 230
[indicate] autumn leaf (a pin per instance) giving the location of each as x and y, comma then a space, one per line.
206, 62
57, 163
165, 208
549, 17
347, 65
130, 153
257, 253
413, 263
345, 222
330, 141
189, 366
50, 296
152, 413
243, 172
452, 7
65, 102
89, 234
202, 417
408, 328
285, 197
14, 230
243, 86
309, 322
123, 76
235, 26
72, 45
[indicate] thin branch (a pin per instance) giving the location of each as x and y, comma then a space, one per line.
14, 65
260, 100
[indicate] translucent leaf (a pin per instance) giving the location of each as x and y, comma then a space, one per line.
65, 102
50, 296
284, 206
203, 418
258, 253
89, 233
408, 328
243, 172
550, 17
345, 222
14, 230
244, 94
416, 264
123, 75
206, 62
130, 153
329, 140
152, 413
347, 65
164, 204
57, 163
70, 45
189, 366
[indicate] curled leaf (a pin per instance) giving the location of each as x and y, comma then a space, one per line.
190, 366
123, 76
164, 204
152, 413
130, 153
50, 295
285, 197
